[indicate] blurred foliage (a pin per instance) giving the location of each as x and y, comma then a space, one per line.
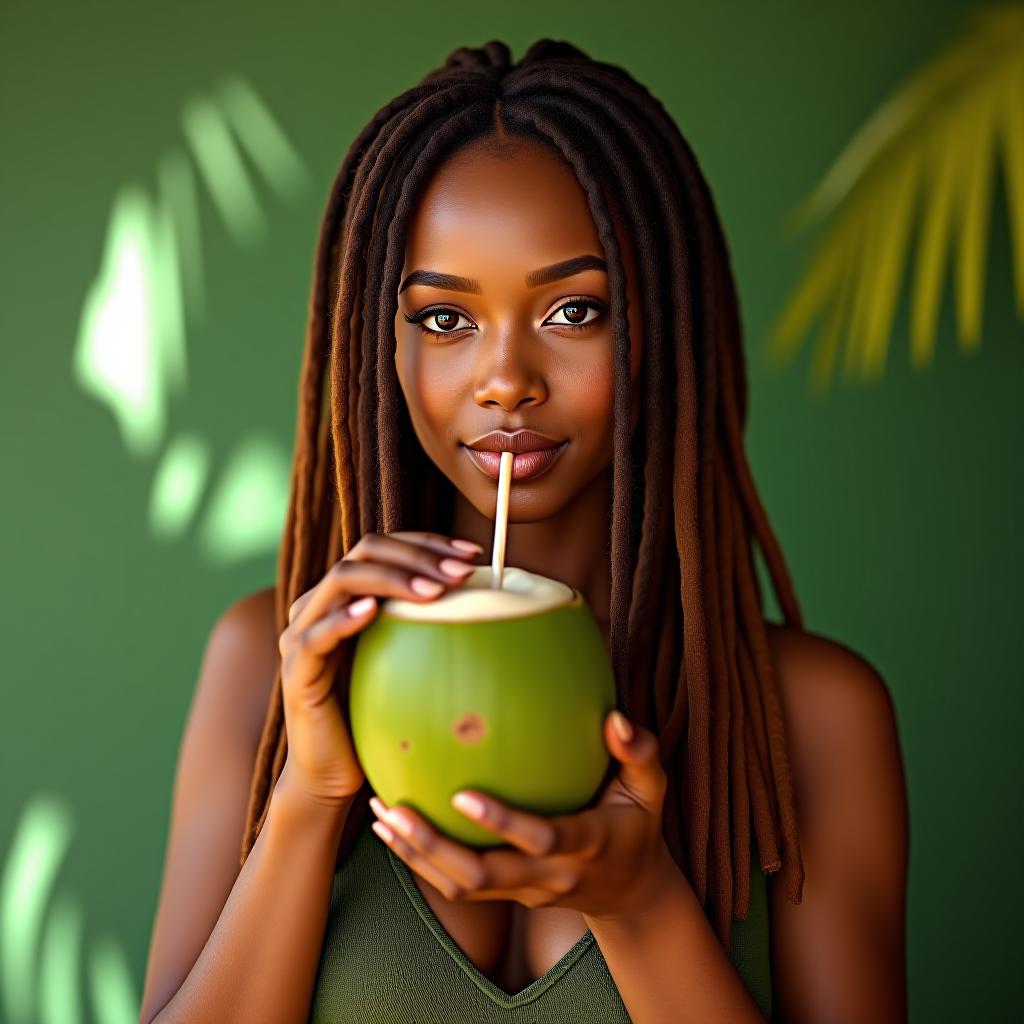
929, 153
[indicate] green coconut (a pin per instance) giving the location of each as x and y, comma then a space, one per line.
500, 690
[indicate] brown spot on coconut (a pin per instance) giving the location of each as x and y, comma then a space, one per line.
470, 728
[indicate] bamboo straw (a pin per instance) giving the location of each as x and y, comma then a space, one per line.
501, 520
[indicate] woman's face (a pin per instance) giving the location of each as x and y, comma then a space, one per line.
500, 350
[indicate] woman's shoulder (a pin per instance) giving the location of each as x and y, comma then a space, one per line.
835, 703
246, 632
840, 719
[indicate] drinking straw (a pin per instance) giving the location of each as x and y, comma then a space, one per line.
501, 520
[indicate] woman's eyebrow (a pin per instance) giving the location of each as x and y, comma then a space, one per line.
545, 275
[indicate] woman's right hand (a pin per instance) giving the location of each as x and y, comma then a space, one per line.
321, 759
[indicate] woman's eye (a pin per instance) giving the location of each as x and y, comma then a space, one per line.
576, 313
446, 321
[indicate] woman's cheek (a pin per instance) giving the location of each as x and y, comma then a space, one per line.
438, 384
595, 401
437, 402
429, 397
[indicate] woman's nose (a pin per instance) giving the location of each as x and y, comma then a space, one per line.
507, 376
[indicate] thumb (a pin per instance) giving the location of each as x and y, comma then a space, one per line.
641, 773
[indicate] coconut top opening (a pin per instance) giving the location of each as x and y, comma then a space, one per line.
522, 593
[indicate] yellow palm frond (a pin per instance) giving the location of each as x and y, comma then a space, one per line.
929, 154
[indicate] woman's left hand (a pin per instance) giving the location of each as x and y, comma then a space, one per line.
606, 862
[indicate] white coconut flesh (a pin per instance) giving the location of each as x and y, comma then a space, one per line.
521, 593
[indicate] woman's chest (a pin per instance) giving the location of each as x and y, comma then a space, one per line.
508, 943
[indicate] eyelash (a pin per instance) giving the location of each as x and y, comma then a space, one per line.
419, 318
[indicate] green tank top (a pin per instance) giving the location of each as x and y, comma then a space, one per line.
386, 959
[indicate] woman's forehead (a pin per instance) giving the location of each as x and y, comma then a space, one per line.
478, 205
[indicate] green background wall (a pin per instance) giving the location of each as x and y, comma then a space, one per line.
897, 503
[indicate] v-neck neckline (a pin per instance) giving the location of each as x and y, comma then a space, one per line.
482, 982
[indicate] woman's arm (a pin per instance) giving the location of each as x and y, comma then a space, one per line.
840, 954
260, 962
233, 945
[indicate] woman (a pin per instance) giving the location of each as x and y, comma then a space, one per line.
533, 248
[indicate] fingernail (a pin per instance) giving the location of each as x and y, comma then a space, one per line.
428, 588
399, 823
468, 545
383, 831
360, 607
453, 567
469, 804
622, 726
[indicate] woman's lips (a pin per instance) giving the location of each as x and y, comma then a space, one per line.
525, 465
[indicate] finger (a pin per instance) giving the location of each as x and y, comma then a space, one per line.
444, 547
530, 833
306, 673
453, 859
299, 603
438, 542
428, 557
641, 772
534, 898
323, 636
350, 578
448, 887
533, 834
531, 881
500, 875
339, 601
